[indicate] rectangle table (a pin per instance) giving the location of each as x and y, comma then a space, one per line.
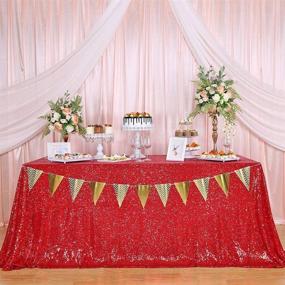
183, 223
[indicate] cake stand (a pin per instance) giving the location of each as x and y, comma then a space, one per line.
99, 138
137, 140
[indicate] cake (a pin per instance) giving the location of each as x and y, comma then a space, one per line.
108, 129
90, 130
98, 129
137, 121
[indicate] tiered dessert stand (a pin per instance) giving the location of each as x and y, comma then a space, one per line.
191, 152
137, 145
99, 139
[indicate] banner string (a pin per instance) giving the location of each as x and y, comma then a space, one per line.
151, 184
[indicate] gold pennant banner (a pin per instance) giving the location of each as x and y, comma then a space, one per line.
183, 190
244, 176
163, 192
33, 176
54, 181
203, 186
97, 189
121, 192
75, 186
143, 192
224, 182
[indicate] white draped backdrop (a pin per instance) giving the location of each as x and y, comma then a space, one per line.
150, 50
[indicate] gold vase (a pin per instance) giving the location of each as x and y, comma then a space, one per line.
214, 117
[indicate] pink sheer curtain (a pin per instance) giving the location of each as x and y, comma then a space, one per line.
148, 66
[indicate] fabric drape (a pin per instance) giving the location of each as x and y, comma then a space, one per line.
262, 105
28, 98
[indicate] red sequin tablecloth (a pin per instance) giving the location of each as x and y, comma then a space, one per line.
55, 232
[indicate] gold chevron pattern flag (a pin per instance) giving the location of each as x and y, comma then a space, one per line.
183, 190
143, 192
224, 182
54, 181
203, 186
244, 176
121, 192
75, 186
33, 176
163, 192
97, 189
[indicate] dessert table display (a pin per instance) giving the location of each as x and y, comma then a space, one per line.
155, 213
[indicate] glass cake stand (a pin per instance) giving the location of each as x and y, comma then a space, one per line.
137, 142
99, 139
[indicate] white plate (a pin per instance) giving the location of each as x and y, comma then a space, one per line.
220, 159
118, 160
70, 160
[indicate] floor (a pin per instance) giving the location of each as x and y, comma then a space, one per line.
162, 276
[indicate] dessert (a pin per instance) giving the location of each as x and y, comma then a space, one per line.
98, 129
90, 130
136, 120
72, 156
219, 155
115, 157
108, 129
192, 145
179, 133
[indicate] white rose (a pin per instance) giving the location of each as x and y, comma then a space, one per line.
212, 91
201, 101
208, 88
216, 98
51, 127
214, 85
68, 117
205, 99
56, 116
197, 96
69, 128
226, 97
52, 120
63, 121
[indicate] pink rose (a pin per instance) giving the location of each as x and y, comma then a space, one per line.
74, 119
58, 126
220, 89
66, 111
203, 94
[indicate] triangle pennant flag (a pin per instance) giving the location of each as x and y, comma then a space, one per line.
203, 186
54, 181
244, 176
97, 188
183, 190
163, 192
33, 176
121, 192
75, 186
143, 192
224, 182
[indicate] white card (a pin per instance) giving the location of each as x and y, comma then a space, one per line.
58, 148
176, 149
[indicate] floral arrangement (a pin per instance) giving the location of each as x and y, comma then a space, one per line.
65, 116
215, 95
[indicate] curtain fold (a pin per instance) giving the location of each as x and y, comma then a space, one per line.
28, 98
262, 106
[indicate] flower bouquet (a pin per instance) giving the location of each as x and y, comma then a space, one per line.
215, 96
65, 116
